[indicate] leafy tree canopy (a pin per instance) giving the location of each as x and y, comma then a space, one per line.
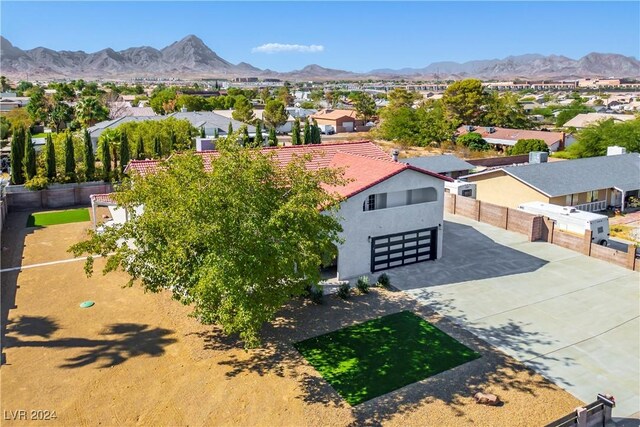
525, 146
236, 243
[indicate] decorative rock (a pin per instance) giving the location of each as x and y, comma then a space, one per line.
105, 216
487, 399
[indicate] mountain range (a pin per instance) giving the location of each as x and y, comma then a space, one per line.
192, 58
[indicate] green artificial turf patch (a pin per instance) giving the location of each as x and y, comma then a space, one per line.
381, 355
44, 219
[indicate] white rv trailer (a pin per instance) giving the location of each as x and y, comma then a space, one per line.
570, 219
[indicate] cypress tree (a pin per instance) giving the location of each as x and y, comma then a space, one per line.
230, 129
69, 157
17, 154
203, 134
307, 132
295, 133
173, 141
257, 141
105, 154
29, 159
246, 142
125, 152
140, 148
316, 137
157, 146
89, 157
50, 153
273, 139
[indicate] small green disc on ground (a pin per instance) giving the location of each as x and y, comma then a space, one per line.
86, 304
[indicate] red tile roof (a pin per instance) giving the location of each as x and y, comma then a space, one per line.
549, 138
142, 167
334, 114
365, 163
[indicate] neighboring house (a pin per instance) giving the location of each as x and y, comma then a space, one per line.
391, 212
341, 120
505, 137
8, 102
285, 128
198, 119
119, 109
581, 121
590, 184
447, 165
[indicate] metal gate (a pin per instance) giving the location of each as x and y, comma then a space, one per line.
410, 247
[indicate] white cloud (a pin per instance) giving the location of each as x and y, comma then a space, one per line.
280, 47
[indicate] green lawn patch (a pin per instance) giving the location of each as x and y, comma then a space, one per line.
381, 355
59, 217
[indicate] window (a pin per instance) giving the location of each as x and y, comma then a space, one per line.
467, 193
600, 230
374, 202
399, 198
592, 196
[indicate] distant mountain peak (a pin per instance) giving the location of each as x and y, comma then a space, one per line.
191, 57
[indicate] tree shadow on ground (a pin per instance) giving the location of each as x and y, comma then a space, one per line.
122, 341
301, 320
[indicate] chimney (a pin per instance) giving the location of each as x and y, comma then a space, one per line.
183, 110
394, 154
615, 150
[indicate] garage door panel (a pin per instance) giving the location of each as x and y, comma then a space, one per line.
395, 250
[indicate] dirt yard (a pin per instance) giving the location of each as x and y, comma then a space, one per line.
137, 358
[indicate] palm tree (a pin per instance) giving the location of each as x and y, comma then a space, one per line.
90, 111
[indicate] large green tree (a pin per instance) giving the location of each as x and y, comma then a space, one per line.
243, 110
90, 111
17, 154
364, 105
433, 125
473, 141
236, 243
89, 157
38, 106
275, 114
594, 139
504, 110
525, 146
464, 101
59, 114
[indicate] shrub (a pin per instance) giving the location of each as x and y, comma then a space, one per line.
384, 281
316, 294
363, 284
37, 183
344, 290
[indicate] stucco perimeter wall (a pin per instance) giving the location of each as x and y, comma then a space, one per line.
500, 216
56, 196
354, 255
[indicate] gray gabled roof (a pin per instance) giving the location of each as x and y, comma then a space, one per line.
197, 119
578, 176
439, 164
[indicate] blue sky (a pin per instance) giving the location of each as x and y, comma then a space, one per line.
356, 36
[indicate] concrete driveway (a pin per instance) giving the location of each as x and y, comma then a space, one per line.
572, 318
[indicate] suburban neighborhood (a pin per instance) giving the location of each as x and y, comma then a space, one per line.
189, 238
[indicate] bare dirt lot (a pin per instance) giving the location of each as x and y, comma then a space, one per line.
137, 358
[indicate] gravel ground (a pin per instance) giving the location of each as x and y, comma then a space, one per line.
137, 358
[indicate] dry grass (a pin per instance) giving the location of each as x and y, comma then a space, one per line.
137, 358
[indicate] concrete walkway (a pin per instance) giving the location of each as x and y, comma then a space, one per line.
574, 319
